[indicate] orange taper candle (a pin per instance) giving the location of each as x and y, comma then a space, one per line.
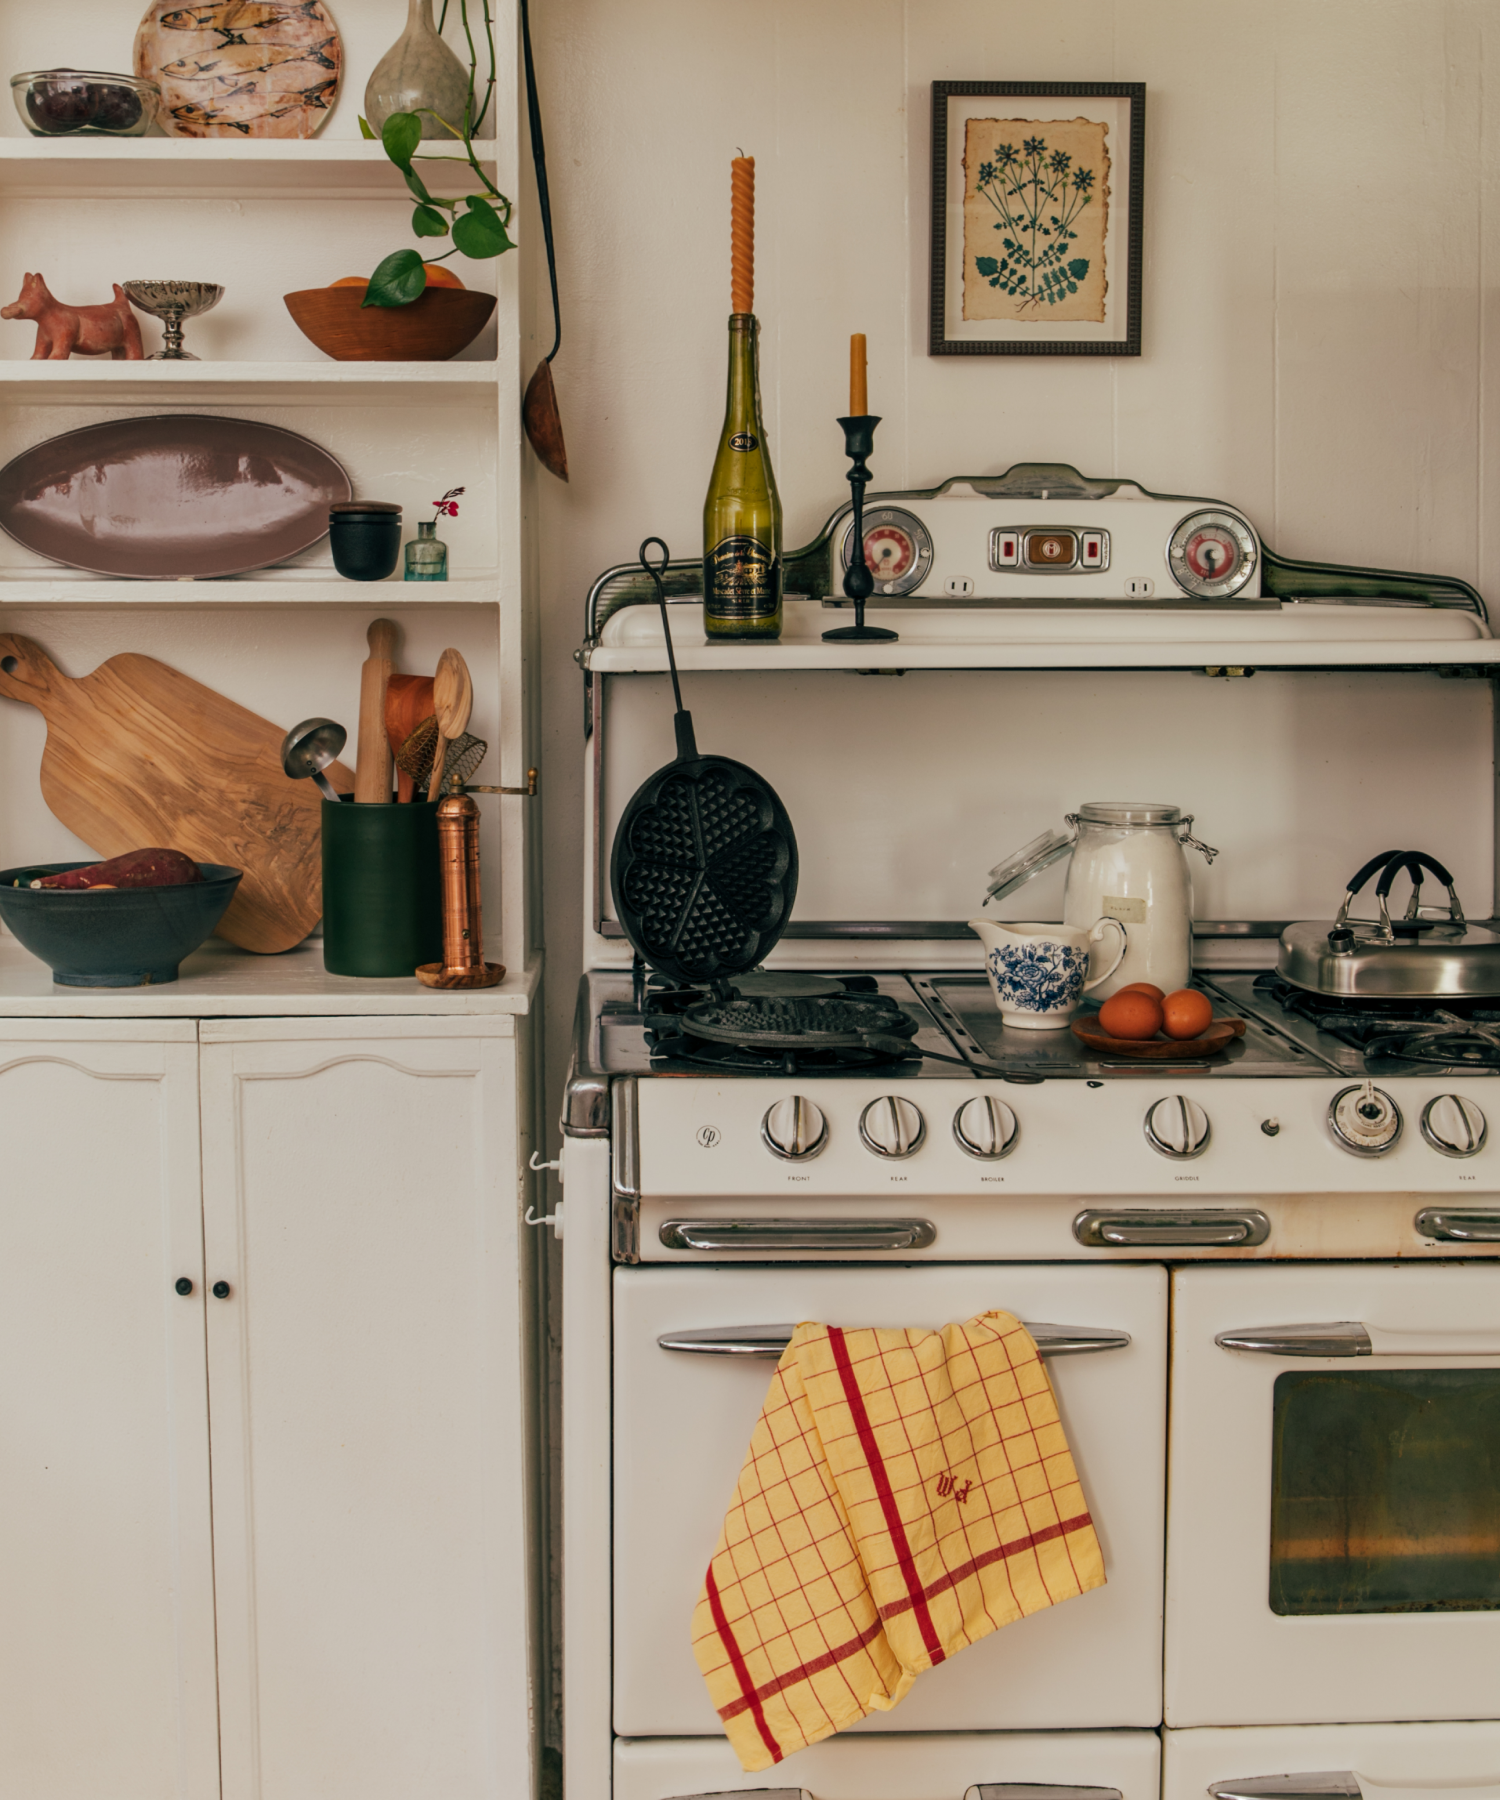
859, 394
742, 234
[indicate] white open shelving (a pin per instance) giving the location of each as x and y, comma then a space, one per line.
91, 378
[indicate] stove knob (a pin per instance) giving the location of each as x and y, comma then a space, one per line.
794, 1129
1454, 1126
1364, 1120
892, 1127
1178, 1127
985, 1128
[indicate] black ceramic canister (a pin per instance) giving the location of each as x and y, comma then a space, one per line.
382, 888
365, 536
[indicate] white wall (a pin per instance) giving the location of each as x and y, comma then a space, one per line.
1320, 319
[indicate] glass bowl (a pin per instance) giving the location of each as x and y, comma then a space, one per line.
84, 103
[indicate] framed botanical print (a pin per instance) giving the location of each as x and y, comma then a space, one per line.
1036, 217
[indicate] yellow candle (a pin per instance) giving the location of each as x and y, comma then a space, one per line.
859, 397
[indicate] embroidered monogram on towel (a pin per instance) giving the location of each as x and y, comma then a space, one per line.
905, 1494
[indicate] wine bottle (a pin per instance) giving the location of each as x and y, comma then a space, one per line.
742, 513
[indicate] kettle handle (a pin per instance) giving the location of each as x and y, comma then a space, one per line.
1094, 937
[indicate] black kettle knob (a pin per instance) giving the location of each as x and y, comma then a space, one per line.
221, 1290
183, 1285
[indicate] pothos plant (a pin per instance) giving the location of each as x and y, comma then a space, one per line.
477, 223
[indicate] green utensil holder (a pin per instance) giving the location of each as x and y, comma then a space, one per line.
382, 888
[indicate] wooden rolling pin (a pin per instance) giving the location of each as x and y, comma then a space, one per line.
372, 769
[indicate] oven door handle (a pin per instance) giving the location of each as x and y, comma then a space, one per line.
1350, 1338
781, 1793
1339, 1785
798, 1234
1038, 1790
770, 1340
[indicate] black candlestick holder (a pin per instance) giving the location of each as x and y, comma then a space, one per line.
859, 583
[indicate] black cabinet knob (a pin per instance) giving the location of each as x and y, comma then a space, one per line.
184, 1286
221, 1290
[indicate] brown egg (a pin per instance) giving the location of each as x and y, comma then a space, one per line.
1130, 1015
1145, 987
1186, 1014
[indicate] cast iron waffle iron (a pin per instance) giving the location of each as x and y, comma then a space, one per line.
704, 866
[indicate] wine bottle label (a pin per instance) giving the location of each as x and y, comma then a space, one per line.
744, 440
742, 579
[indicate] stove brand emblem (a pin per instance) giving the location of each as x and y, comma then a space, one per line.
708, 1136
948, 1489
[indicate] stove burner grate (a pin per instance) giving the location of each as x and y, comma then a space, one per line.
798, 1024
1459, 1033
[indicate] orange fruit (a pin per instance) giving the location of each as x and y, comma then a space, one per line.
1186, 1014
352, 281
1145, 987
440, 275
1128, 1015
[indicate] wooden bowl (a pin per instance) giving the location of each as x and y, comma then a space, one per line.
1218, 1035
433, 328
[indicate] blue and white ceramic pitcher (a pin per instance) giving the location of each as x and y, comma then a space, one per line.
1038, 973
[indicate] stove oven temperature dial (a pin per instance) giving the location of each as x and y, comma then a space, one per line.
985, 1128
1212, 554
1364, 1119
794, 1129
1454, 1126
892, 1127
1178, 1127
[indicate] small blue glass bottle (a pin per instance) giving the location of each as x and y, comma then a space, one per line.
427, 554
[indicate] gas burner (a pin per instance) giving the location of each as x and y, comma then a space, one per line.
1459, 1034
1451, 1047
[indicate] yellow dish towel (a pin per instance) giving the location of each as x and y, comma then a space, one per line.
905, 1494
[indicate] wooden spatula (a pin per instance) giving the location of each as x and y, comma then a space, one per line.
452, 702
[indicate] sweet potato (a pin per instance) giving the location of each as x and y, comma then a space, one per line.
136, 869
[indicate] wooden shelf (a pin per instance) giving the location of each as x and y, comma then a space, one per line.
92, 379
152, 168
268, 588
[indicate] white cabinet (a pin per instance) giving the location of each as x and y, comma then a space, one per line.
355, 1402
106, 1570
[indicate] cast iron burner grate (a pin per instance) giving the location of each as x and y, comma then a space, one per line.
1458, 1033
776, 1034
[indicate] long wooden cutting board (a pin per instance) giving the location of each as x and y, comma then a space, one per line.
139, 755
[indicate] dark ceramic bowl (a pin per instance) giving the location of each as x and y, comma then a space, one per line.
117, 937
365, 540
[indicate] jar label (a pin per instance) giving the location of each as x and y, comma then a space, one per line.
742, 579
1128, 911
744, 440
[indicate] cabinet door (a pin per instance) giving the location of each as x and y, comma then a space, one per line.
366, 1374
106, 1573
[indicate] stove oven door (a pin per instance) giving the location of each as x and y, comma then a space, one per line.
683, 1419
1334, 1551
1455, 1761
1083, 1765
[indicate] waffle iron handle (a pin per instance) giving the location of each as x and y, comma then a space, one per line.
682, 722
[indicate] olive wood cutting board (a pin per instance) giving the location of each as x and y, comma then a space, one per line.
139, 755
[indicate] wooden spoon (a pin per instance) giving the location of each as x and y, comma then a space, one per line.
452, 702
408, 701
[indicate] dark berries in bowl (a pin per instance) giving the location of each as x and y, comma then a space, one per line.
74, 102
61, 103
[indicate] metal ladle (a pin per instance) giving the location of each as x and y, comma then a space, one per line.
308, 748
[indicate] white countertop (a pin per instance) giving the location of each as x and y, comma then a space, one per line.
219, 981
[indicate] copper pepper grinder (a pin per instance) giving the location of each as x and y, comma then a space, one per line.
463, 964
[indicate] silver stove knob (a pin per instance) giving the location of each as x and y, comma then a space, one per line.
794, 1129
892, 1127
1454, 1126
985, 1128
1178, 1127
1364, 1119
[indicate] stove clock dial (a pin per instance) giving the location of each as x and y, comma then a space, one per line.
1364, 1119
985, 1129
1212, 554
898, 549
1178, 1127
892, 1127
794, 1129
1454, 1126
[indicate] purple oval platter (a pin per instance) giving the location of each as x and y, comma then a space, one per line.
171, 496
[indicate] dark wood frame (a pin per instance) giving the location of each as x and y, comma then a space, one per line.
1130, 345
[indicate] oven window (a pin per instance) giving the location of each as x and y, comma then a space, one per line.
1385, 1491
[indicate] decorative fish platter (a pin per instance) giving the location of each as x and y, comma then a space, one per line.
241, 68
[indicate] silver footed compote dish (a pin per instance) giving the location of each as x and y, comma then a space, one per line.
174, 302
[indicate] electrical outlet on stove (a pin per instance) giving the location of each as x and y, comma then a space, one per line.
958, 585
1140, 587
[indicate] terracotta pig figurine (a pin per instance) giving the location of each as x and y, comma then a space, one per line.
110, 330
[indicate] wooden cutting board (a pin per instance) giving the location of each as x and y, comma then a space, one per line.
139, 755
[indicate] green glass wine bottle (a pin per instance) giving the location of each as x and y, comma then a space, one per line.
742, 513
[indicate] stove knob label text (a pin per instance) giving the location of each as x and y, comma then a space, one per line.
709, 1136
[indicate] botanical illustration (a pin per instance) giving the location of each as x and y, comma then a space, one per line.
1039, 977
1036, 211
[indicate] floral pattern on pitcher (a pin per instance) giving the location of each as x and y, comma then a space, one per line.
1039, 977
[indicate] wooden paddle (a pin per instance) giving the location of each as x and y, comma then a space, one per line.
139, 755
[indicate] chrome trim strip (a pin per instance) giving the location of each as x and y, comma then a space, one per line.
770, 1340
1459, 1224
798, 1234
1038, 1790
1119, 1228
1342, 1785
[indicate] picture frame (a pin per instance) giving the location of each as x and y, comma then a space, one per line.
1037, 213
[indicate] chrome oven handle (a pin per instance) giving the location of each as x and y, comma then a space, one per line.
770, 1340
798, 1234
1340, 1785
781, 1793
1120, 1228
1459, 1224
1038, 1790
1350, 1338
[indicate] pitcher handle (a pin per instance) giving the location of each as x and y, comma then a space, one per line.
1094, 937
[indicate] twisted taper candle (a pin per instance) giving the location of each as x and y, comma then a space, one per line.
742, 235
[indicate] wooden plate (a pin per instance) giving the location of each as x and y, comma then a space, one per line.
1220, 1033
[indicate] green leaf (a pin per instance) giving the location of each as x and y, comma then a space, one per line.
418, 187
1079, 267
427, 221
398, 281
401, 134
986, 265
364, 127
479, 233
